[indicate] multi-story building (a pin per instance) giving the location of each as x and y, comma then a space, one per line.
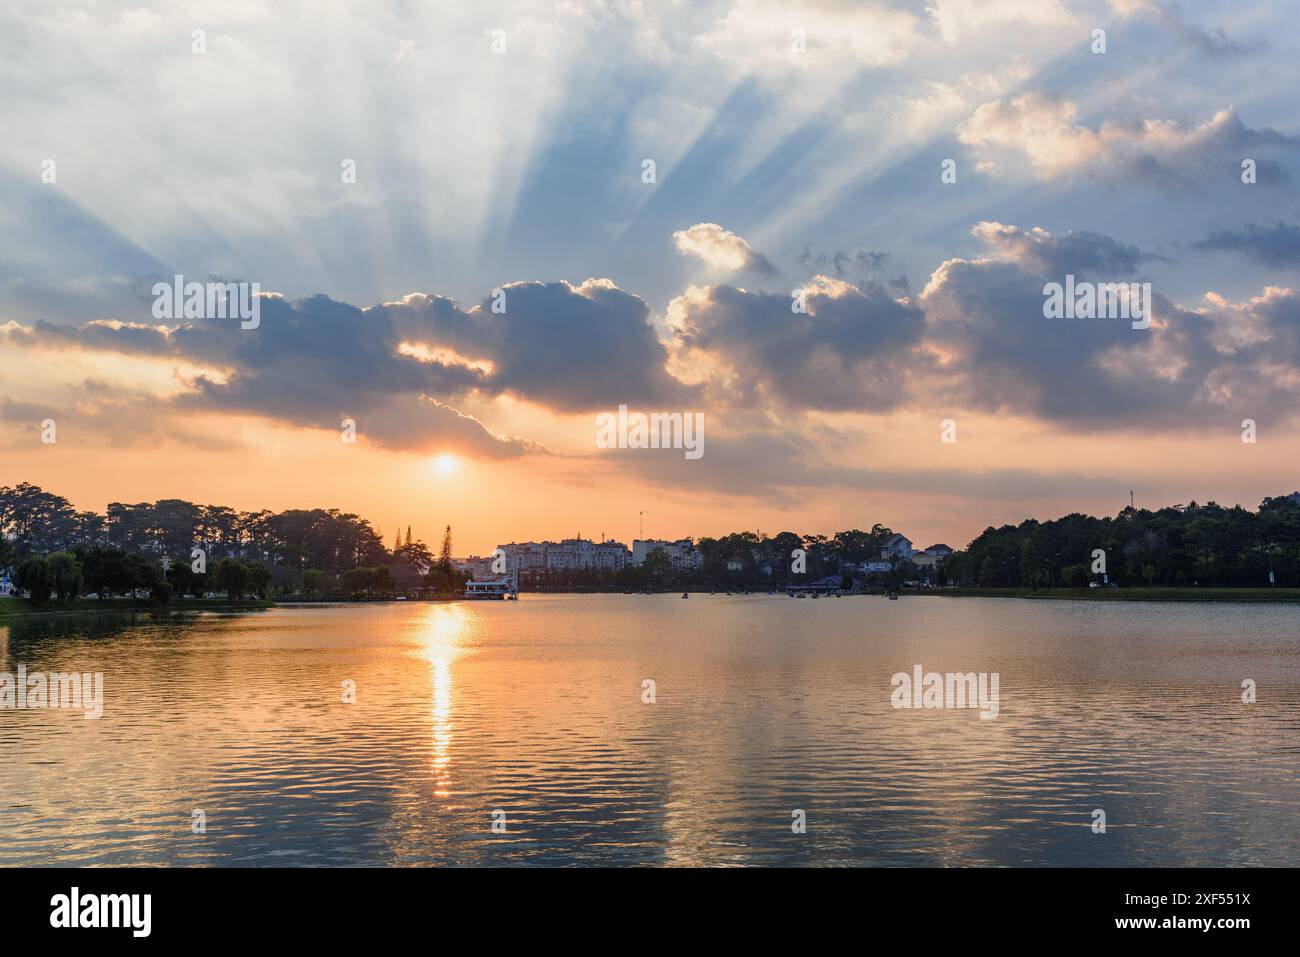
571, 554
524, 556
682, 553
610, 556
897, 546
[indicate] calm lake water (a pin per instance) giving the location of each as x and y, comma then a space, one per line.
763, 706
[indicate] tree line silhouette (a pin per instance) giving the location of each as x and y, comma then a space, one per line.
52, 550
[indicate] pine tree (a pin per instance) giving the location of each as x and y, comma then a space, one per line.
444, 558
408, 534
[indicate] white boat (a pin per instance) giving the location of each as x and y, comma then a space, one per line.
499, 589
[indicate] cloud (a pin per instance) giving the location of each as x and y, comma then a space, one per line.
984, 318
1276, 245
1128, 8
1042, 131
768, 463
1045, 254
863, 262
400, 368
958, 17
568, 347
865, 34
13, 410
1211, 41
422, 371
97, 414
851, 348
721, 249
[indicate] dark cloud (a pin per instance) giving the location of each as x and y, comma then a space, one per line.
408, 371
1081, 253
845, 263
572, 348
1189, 368
1276, 245
1210, 41
850, 350
400, 368
32, 413
987, 316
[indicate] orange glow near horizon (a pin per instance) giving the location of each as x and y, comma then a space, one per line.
250, 464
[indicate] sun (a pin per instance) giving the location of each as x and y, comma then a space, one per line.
445, 464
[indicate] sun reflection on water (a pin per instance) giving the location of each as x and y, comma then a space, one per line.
443, 635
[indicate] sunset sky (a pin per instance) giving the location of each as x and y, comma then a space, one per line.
792, 149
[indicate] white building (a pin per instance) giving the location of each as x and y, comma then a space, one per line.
611, 556
584, 554
571, 554
682, 553
868, 568
897, 546
524, 556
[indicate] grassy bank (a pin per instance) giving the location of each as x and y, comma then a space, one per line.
21, 607
1125, 594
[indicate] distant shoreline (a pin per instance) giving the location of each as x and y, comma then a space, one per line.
16, 608
1191, 594
13, 609
1122, 594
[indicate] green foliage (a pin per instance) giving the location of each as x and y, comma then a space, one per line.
1075, 576
184, 580
232, 578
33, 576
381, 581
66, 578
356, 581
657, 567
317, 582
259, 579
42, 522
1181, 545
161, 592
117, 553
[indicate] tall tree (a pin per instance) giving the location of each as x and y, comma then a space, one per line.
444, 556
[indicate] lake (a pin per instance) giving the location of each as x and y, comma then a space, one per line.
771, 738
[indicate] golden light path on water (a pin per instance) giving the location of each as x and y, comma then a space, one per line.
442, 633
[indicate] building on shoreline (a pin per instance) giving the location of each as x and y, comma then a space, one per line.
897, 546
570, 554
682, 553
